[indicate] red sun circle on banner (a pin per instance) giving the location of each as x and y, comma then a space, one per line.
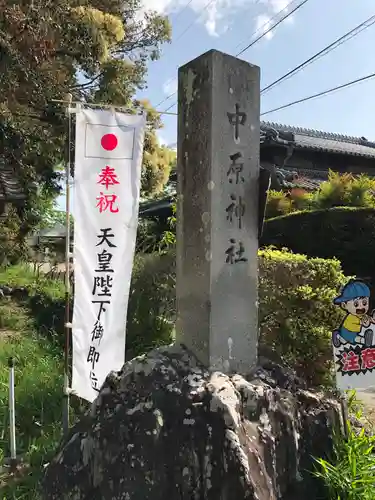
109, 142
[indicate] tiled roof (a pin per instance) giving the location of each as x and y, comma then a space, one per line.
304, 138
10, 189
308, 184
306, 178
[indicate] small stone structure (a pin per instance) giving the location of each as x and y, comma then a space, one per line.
166, 428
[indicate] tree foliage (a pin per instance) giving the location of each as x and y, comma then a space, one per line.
94, 50
339, 190
12, 247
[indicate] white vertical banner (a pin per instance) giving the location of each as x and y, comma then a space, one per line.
108, 159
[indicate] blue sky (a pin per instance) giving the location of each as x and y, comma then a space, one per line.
314, 26
228, 25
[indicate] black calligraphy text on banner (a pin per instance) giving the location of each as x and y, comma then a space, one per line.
102, 294
103, 274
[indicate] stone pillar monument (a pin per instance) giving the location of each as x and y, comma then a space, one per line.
217, 228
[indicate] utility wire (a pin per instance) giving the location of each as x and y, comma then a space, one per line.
304, 99
200, 12
168, 96
178, 14
320, 94
263, 26
301, 4
326, 50
256, 2
263, 34
170, 107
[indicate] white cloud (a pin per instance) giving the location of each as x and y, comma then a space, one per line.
216, 16
159, 6
275, 10
278, 5
262, 24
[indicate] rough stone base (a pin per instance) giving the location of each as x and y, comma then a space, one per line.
166, 429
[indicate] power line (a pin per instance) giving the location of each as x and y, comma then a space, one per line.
320, 94
252, 5
200, 12
170, 107
267, 23
301, 4
304, 99
168, 96
288, 14
178, 14
256, 2
326, 50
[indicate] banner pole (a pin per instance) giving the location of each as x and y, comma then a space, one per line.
12, 418
66, 392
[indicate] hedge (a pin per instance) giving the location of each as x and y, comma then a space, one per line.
296, 313
345, 233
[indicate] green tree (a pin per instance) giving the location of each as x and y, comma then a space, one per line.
345, 190
95, 50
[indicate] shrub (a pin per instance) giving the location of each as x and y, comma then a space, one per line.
295, 308
301, 199
296, 311
277, 204
149, 235
150, 311
345, 233
12, 245
333, 192
345, 190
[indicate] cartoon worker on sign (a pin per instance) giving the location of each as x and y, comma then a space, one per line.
355, 300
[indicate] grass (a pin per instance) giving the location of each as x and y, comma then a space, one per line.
38, 387
351, 473
22, 275
31, 332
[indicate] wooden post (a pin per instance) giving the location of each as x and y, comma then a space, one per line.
217, 228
